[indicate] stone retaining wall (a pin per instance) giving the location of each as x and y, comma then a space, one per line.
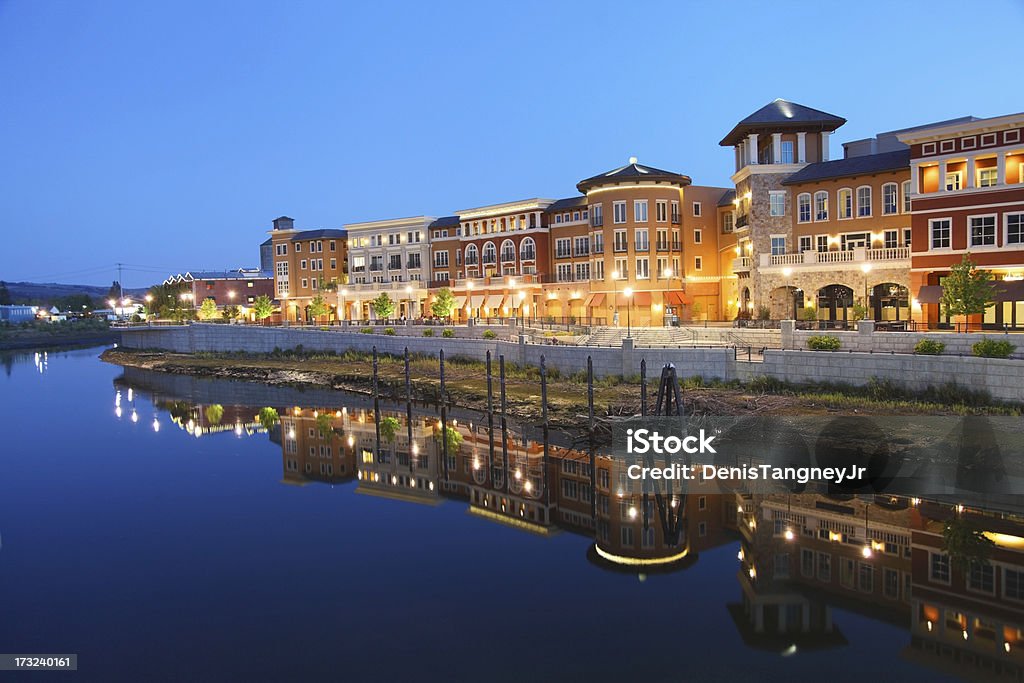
866, 340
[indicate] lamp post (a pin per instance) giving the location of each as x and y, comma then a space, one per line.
668, 280
615, 298
522, 314
408, 304
469, 299
628, 292
865, 268
344, 305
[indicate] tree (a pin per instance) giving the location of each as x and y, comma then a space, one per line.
115, 291
389, 428
262, 307
966, 544
383, 306
5, 295
268, 417
230, 313
208, 311
967, 290
323, 424
166, 300
443, 303
214, 413
318, 308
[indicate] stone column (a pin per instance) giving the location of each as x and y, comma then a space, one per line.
915, 179
787, 328
969, 180
776, 148
801, 148
1001, 168
942, 176
752, 148
824, 145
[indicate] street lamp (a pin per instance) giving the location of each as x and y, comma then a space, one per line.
408, 305
628, 292
615, 298
469, 298
344, 304
668, 277
522, 315
865, 268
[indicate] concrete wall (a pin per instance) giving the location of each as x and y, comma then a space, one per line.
1003, 379
866, 340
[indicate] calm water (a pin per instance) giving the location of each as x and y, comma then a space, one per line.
154, 526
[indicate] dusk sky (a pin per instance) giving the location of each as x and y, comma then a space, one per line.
168, 137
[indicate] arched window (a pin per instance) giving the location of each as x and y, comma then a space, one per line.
890, 198
821, 206
863, 201
845, 207
528, 249
508, 251
803, 208
472, 255
490, 253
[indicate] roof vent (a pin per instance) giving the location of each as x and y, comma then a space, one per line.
632, 160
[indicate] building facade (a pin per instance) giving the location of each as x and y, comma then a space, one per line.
307, 264
387, 257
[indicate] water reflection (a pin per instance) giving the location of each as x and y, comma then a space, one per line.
949, 573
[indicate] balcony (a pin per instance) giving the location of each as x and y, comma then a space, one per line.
837, 260
675, 219
597, 221
742, 264
528, 255
741, 221
641, 247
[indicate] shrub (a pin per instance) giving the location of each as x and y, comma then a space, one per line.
447, 334
489, 334
428, 333
929, 347
823, 342
990, 348
390, 331
366, 330
808, 313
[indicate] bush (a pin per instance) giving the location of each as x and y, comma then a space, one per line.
823, 342
390, 331
990, 348
428, 333
929, 347
489, 334
366, 330
447, 334
808, 313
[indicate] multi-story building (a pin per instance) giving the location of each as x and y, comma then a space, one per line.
307, 264
390, 256
967, 191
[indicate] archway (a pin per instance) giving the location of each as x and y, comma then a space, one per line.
890, 301
745, 304
835, 302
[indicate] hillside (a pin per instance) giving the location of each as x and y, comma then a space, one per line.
48, 292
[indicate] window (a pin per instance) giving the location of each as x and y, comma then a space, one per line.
890, 198
982, 578
698, 263
821, 206
787, 152
643, 270
394, 262
597, 215
415, 260
987, 177
1015, 228
334, 264
581, 246
305, 283
938, 568
728, 221
891, 239
778, 245
298, 247
563, 248
824, 567
564, 272
661, 211
558, 218
940, 232
983, 231
490, 254
906, 196
806, 562
907, 232
1013, 584
599, 269
440, 259
472, 255
891, 583
696, 208
845, 207
621, 271
953, 181
583, 271
866, 577
642, 240
627, 536
803, 208
777, 203
822, 243
863, 202
640, 210
302, 264
804, 243
528, 250
696, 236
620, 212
675, 210
598, 243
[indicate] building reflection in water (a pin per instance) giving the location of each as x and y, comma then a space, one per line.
800, 558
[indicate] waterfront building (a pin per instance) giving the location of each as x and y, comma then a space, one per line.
387, 257
307, 264
967, 183
226, 287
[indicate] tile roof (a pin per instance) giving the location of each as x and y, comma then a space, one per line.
780, 115
632, 171
727, 198
862, 165
445, 222
321, 232
567, 203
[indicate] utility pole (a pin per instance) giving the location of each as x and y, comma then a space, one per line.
120, 287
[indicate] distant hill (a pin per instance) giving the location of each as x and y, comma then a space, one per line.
48, 292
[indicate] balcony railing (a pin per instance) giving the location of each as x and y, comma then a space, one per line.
675, 219
855, 255
528, 256
741, 264
742, 220
597, 221
644, 246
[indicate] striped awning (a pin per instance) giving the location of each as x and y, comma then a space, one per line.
494, 301
677, 298
476, 301
597, 300
460, 302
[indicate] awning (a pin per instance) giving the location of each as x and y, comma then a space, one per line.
638, 299
1009, 290
494, 301
677, 299
597, 300
477, 300
460, 302
929, 294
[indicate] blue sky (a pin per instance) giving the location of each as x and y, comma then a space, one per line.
168, 136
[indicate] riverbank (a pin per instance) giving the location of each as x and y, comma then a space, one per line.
38, 335
567, 395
